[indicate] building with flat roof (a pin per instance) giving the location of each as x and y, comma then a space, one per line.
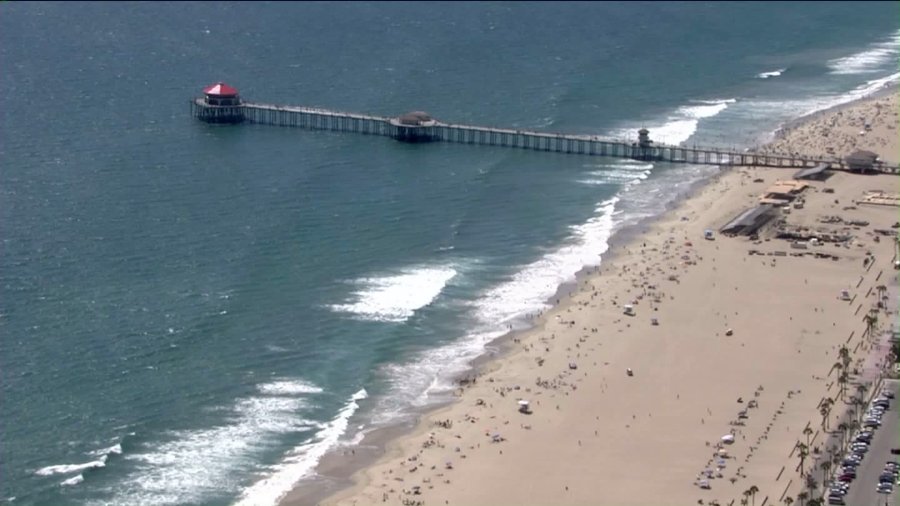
784, 190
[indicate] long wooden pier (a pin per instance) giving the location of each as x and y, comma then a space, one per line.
420, 128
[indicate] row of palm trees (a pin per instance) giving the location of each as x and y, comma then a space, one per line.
843, 367
804, 499
846, 428
750, 493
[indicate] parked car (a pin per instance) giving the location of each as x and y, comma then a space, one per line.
839, 488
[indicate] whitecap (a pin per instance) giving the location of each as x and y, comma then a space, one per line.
301, 461
115, 449
774, 73
289, 387
868, 61
75, 480
189, 466
529, 289
681, 124
71, 468
396, 297
798, 108
420, 380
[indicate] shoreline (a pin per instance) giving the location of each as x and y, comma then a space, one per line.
341, 479
820, 117
339, 472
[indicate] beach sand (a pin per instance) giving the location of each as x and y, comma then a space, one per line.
732, 328
845, 129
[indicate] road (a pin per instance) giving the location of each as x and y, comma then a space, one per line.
862, 491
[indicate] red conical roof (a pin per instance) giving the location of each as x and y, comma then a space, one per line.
221, 90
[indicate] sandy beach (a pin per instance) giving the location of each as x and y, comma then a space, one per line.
845, 129
730, 336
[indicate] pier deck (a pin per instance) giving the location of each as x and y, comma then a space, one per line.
436, 131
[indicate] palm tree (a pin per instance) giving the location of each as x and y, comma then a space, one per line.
838, 365
788, 501
826, 466
858, 404
843, 378
825, 410
882, 289
854, 426
861, 390
844, 354
807, 432
802, 453
811, 483
753, 490
871, 320
843, 428
802, 496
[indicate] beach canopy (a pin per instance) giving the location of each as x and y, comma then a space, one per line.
523, 403
728, 438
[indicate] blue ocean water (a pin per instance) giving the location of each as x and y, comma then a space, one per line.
195, 314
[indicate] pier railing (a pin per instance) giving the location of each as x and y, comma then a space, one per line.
324, 119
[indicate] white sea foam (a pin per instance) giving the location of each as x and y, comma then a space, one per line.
396, 297
289, 387
192, 465
871, 60
681, 124
774, 73
529, 289
301, 462
616, 177
71, 468
75, 480
789, 109
115, 449
414, 382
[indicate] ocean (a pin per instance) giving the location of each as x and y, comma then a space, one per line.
196, 314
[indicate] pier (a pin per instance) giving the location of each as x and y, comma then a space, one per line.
222, 104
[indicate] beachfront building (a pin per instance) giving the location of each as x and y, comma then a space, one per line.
820, 172
644, 138
861, 161
416, 126
221, 94
750, 221
783, 192
220, 104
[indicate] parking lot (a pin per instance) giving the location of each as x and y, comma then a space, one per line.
872, 469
